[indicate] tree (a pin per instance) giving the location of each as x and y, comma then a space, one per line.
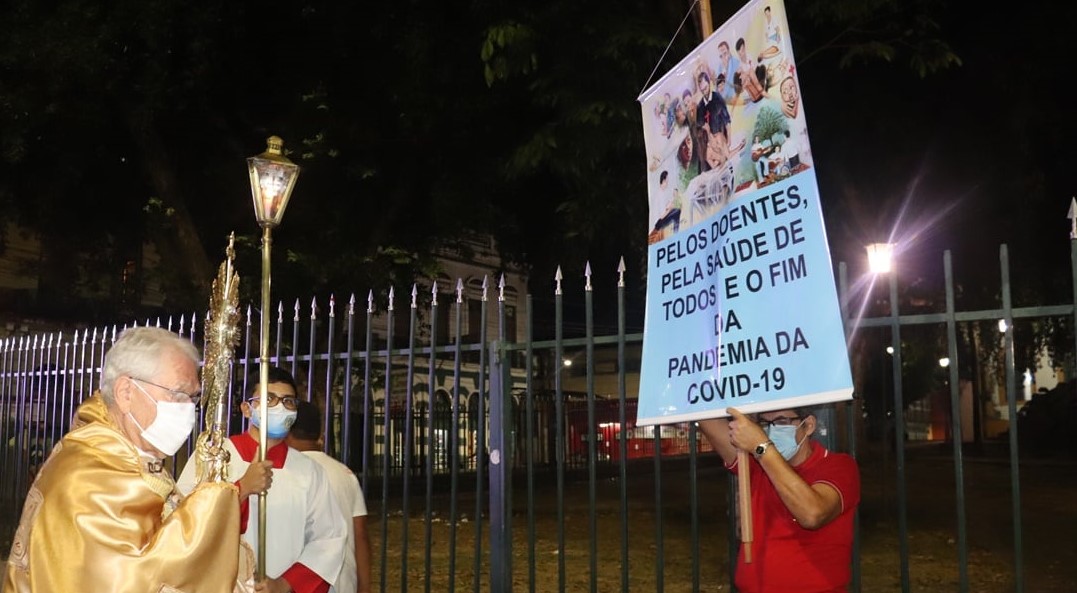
88, 91
418, 124
167, 101
581, 145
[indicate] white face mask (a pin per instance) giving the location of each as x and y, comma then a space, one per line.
170, 429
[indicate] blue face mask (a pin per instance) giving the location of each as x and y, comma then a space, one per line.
785, 439
280, 420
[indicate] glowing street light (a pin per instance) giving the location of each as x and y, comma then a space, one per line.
273, 177
944, 361
879, 257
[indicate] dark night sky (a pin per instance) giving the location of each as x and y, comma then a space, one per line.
956, 157
964, 159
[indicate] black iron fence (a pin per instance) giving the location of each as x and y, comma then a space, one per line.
520, 469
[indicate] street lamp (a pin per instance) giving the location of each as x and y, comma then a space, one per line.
879, 261
273, 177
879, 257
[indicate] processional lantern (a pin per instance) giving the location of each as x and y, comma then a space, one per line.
273, 177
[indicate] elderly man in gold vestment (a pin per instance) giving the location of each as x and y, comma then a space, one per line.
103, 514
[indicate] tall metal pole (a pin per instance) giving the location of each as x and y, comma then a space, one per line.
899, 431
263, 393
273, 177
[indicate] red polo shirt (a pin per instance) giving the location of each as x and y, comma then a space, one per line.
787, 558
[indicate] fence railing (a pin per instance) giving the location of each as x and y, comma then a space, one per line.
486, 434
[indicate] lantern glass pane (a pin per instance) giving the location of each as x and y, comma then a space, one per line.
271, 185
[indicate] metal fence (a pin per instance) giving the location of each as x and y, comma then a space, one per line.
481, 467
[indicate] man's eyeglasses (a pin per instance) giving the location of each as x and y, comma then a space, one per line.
272, 398
179, 397
779, 421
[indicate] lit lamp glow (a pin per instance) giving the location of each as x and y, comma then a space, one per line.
273, 177
944, 361
879, 257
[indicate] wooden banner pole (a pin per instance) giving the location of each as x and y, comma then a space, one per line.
744, 496
706, 25
706, 21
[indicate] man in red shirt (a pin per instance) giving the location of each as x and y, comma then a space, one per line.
803, 501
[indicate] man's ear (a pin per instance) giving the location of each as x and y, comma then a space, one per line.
245, 407
123, 391
810, 423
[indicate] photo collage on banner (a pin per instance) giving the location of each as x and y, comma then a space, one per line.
742, 309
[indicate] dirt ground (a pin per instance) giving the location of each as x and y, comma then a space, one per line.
664, 561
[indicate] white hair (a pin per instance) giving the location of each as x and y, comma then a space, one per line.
138, 352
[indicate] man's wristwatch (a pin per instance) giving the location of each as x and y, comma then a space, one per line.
761, 448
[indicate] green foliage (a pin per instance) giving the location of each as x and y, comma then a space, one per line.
508, 50
865, 32
156, 206
415, 124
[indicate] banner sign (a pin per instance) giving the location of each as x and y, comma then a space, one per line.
742, 310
